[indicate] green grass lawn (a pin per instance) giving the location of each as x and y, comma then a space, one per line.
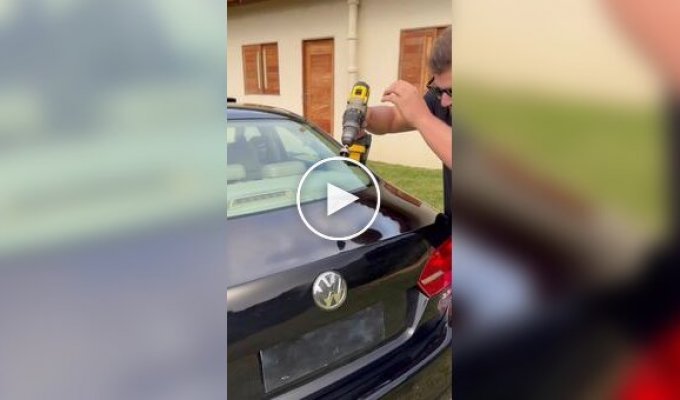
423, 183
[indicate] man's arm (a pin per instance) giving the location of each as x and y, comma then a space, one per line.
384, 119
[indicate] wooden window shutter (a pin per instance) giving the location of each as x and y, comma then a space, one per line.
414, 50
270, 68
252, 80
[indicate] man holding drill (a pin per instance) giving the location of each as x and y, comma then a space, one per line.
430, 115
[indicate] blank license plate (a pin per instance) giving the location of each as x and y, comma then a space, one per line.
289, 361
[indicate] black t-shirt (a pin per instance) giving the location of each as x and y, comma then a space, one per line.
444, 114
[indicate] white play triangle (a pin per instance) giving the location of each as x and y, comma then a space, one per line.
337, 199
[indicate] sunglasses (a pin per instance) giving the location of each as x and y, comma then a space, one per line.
437, 91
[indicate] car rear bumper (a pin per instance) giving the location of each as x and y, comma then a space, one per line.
429, 379
433, 382
420, 368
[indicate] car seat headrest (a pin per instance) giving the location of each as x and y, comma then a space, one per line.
235, 172
287, 168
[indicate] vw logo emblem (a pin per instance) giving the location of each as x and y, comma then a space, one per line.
329, 290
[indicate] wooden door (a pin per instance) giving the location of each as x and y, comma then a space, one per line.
317, 81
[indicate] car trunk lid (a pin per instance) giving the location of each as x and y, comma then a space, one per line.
280, 339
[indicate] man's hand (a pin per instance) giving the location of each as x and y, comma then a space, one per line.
408, 101
413, 110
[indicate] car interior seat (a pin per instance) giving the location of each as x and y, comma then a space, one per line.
268, 147
235, 172
241, 152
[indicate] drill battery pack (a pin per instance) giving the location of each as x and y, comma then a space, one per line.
359, 149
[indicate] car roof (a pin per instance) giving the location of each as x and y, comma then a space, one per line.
236, 111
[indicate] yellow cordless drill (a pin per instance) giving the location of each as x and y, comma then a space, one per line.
352, 121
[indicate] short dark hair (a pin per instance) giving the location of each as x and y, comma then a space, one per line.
440, 57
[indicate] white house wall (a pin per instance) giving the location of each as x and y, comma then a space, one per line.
289, 22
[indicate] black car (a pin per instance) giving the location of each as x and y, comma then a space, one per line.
389, 332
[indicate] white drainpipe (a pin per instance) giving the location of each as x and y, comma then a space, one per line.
352, 38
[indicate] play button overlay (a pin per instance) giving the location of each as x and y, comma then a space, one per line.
338, 198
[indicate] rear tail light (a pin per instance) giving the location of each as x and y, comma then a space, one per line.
436, 276
655, 375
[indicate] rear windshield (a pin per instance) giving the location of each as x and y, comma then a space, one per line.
266, 160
